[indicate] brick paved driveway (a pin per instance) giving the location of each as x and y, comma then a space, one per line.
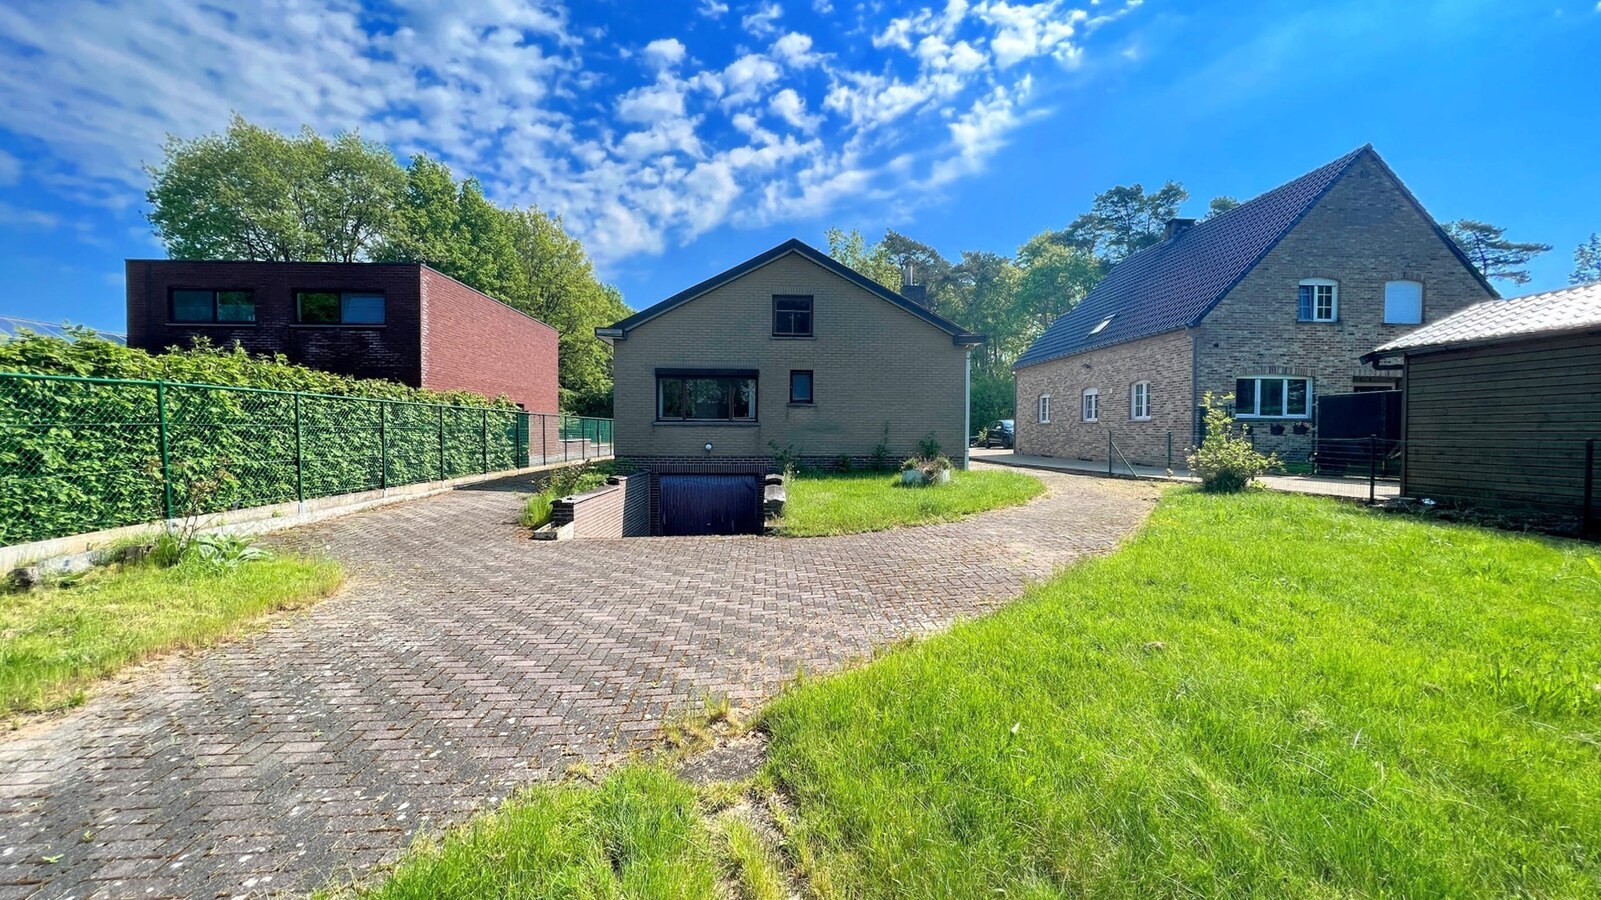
435, 682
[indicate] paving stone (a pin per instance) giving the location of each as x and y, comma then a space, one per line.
462, 660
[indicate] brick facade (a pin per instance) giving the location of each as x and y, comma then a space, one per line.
1163, 362
462, 340
619, 509
880, 373
1363, 233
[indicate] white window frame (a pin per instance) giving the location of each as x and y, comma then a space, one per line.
1045, 409
1387, 284
1334, 299
1104, 322
1240, 413
1135, 395
1090, 405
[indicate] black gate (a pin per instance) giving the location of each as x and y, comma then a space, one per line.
711, 504
1358, 431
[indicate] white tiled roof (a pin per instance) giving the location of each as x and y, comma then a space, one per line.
1568, 309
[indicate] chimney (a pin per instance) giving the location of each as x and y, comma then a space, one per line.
1176, 227
910, 289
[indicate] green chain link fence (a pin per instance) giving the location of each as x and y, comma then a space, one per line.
83, 454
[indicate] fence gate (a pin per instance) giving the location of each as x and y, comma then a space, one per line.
711, 504
1345, 424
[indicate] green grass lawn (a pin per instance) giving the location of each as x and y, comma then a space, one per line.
57, 641
1261, 695
854, 502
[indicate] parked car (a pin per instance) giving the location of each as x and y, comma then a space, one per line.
1000, 433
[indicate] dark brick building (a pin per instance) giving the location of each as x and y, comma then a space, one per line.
400, 321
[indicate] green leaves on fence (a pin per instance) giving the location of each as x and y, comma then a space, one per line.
79, 455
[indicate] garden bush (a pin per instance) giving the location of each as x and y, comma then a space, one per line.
1226, 462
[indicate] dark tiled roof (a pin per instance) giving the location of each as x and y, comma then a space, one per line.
1554, 312
959, 335
1177, 282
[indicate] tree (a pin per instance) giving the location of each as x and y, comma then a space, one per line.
929, 268
1126, 219
872, 260
983, 291
1055, 277
1220, 205
1491, 253
252, 193
451, 227
1587, 261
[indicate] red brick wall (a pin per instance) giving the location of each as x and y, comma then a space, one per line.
472, 342
387, 351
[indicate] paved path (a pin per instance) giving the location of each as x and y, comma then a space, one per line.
462, 660
1354, 488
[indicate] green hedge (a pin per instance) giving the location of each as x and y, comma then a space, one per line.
81, 453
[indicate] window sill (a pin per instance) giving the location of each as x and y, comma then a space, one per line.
704, 423
1139, 418
1091, 421
796, 404
1317, 321
315, 325
794, 337
211, 324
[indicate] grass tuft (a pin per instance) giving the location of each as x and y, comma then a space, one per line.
851, 503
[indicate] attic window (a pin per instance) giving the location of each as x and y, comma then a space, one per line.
1102, 327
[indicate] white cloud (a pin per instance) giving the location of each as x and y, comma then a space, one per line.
760, 22
636, 159
791, 107
664, 52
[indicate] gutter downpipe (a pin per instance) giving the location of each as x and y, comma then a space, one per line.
967, 409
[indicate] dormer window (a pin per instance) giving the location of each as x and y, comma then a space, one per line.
1102, 327
1319, 300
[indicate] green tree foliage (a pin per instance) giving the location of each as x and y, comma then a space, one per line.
983, 295
1226, 462
1125, 219
992, 397
928, 267
1220, 205
872, 260
1587, 261
252, 193
1491, 253
1056, 276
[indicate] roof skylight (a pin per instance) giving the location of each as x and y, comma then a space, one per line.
1102, 327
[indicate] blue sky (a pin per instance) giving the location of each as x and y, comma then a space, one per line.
677, 139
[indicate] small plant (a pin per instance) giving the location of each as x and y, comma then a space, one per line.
842, 463
929, 469
928, 447
880, 454
224, 551
1226, 462
784, 459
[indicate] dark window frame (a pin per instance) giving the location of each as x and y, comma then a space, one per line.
343, 295
730, 378
811, 387
216, 306
786, 322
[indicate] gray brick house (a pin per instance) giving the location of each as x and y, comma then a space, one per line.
1275, 301
787, 352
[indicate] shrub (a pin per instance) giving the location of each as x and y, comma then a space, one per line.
880, 454
930, 466
928, 447
1226, 462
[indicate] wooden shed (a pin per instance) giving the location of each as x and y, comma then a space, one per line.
1502, 405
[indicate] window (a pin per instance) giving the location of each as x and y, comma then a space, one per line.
706, 396
1273, 397
339, 308
1102, 327
1045, 409
1139, 401
1092, 405
213, 306
1403, 303
800, 386
1319, 300
792, 316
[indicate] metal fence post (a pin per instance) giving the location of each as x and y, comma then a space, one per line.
300, 464
1170, 452
518, 462
1108, 451
161, 431
1373, 467
583, 439
544, 440
483, 438
441, 443
383, 444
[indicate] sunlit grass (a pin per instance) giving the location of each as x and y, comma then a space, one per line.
855, 502
55, 642
1262, 695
